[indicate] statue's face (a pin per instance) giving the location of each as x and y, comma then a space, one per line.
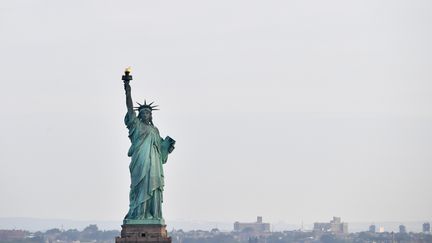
145, 115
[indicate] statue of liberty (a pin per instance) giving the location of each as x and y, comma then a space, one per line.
148, 152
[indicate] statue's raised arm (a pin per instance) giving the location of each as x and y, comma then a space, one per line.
126, 79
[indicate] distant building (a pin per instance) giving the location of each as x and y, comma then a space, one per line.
372, 228
381, 229
257, 226
402, 229
12, 235
426, 228
335, 226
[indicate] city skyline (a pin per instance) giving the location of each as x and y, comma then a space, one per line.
35, 224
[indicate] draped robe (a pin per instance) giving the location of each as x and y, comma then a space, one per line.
148, 152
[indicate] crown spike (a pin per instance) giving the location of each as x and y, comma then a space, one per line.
148, 106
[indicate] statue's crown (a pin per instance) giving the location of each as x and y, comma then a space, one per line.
146, 106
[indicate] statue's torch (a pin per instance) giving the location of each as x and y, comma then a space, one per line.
127, 77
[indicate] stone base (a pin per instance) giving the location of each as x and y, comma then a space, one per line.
144, 221
145, 233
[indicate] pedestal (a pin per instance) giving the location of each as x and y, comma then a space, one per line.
143, 233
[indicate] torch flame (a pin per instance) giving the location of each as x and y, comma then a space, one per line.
128, 69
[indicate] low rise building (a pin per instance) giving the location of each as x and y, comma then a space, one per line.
257, 226
11, 235
335, 226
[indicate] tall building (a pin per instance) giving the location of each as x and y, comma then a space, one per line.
426, 227
372, 228
257, 226
402, 229
335, 226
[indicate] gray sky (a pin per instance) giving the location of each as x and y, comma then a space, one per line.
293, 110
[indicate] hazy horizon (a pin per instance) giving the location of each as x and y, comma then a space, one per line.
293, 110
38, 224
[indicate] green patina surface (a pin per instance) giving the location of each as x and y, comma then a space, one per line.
148, 152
